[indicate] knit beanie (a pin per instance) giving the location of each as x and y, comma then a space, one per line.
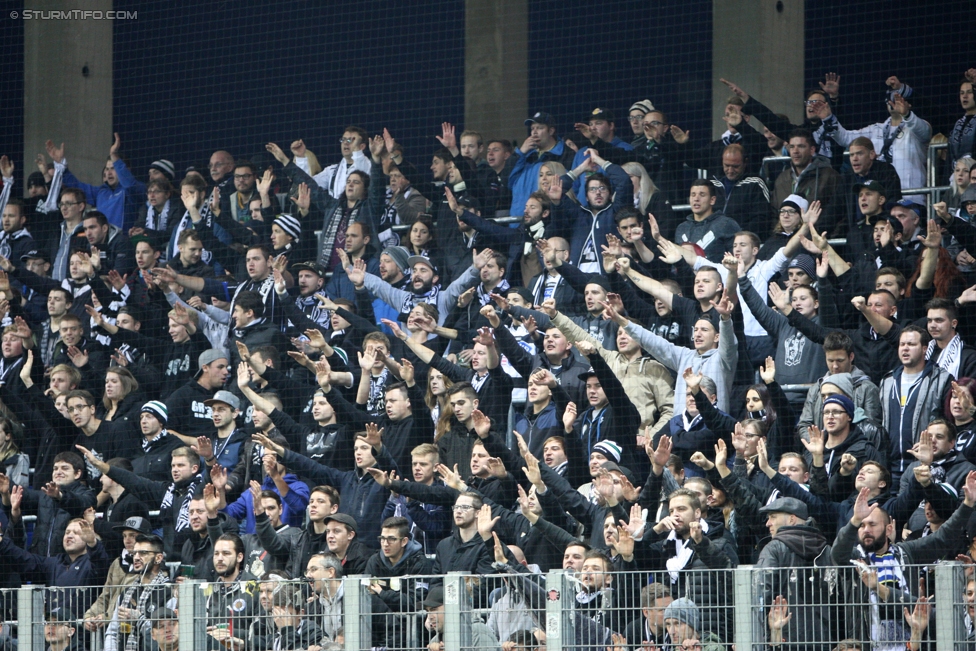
157, 409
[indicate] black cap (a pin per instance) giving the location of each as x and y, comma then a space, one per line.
40, 254
610, 466
541, 117
523, 292
468, 201
135, 523
59, 613
312, 266
896, 224
345, 519
600, 114
870, 184
36, 179
162, 615
586, 375
789, 505
435, 597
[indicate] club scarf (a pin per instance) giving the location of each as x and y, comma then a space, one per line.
950, 358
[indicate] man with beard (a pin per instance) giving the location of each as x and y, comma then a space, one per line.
173, 497
524, 261
310, 279
120, 573
358, 246
230, 606
424, 285
143, 597
15, 239
936, 448
885, 569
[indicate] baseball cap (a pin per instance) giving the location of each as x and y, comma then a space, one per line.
225, 397
541, 117
435, 597
610, 466
870, 184
210, 355
789, 505
135, 523
36, 179
343, 518
311, 265
600, 114
415, 259
468, 201
896, 224
162, 615
36, 253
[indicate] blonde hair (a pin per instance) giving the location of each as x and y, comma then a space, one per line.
647, 187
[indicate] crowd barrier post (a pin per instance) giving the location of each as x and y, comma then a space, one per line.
358, 608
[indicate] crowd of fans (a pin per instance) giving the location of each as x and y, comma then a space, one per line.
305, 371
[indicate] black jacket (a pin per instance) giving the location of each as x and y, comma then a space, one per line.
116, 513
53, 516
187, 413
154, 459
411, 592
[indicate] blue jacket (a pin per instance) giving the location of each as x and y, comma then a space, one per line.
583, 217
112, 202
581, 156
524, 179
339, 286
292, 505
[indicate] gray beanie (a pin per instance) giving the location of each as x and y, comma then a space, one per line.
399, 255
684, 610
842, 381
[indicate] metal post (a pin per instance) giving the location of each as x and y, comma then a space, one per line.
357, 612
743, 600
560, 633
30, 613
949, 614
456, 632
192, 616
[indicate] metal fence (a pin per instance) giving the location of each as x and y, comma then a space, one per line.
806, 606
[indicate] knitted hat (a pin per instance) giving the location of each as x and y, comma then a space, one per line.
805, 263
609, 449
164, 166
290, 225
842, 381
157, 409
399, 255
796, 201
843, 401
684, 610
645, 106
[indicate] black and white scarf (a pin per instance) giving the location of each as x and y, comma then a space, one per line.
963, 137
889, 139
182, 519
376, 402
157, 222
142, 627
413, 300
949, 358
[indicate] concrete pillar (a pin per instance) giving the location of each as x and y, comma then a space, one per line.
68, 85
496, 76
758, 44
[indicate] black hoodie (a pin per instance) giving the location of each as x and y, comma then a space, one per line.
796, 561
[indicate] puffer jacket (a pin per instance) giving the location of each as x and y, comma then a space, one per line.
794, 565
932, 388
53, 516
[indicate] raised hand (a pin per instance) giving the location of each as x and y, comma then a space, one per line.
374, 435
721, 453
933, 235
488, 311
738, 92
388, 141
357, 273
407, 372
815, 446
680, 137
266, 443
585, 348
702, 461
861, 507
658, 455
692, 379
768, 371
923, 449
569, 417
466, 297
55, 153
77, 356
447, 138
779, 614
762, 457
831, 84
26, 368
485, 337
380, 477
481, 423
923, 475
450, 477
531, 469
482, 258
739, 440
848, 463
276, 151
695, 529
211, 500
724, 306
6, 167
970, 489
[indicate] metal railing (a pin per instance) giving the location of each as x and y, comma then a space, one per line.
803, 605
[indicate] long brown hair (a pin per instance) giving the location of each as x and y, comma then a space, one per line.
947, 275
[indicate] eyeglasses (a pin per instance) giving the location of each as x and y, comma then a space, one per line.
789, 211
462, 507
66, 204
636, 119
653, 123
833, 414
243, 176
346, 141
388, 539
143, 552
598, 188
813, 102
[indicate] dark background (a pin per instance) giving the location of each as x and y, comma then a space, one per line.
193, 78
